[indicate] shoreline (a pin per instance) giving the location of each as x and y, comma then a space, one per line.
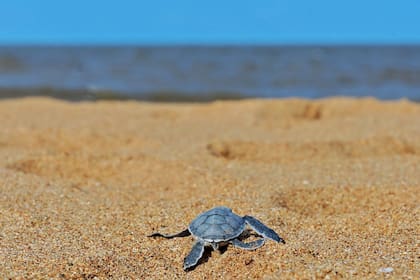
80, 95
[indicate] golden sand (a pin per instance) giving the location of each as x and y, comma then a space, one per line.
82, 184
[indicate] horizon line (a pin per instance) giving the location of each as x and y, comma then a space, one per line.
210, 44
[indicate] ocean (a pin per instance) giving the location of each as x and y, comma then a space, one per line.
200, 73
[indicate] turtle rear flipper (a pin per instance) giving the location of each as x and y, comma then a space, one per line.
249, 245
195, 255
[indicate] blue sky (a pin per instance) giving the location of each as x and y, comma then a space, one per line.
209, 22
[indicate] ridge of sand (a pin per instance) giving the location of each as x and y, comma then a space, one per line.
82, 184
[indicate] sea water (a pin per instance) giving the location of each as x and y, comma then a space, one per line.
202, 73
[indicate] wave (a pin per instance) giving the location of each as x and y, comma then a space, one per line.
77, 95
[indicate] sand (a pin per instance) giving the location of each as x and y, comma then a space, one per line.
82, 184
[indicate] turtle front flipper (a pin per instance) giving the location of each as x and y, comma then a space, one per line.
179, 234
195, 255
262, 229
249, 245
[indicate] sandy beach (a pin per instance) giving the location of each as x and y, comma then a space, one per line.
83, 184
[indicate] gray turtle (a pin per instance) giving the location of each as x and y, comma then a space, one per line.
220, 226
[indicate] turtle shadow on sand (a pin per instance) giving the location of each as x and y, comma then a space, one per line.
216, 229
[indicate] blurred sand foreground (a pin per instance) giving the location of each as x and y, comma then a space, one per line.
82, 184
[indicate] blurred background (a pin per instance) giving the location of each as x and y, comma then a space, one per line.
190, 50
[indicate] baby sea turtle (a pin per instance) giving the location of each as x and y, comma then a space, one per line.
220, 226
